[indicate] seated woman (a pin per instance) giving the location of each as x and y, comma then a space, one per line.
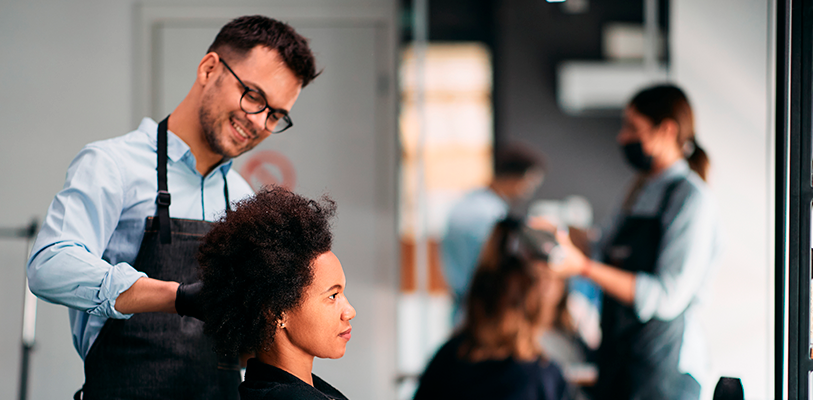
273, 288
496, 355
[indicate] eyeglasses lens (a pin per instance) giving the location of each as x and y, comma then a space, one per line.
253, 103
277, 122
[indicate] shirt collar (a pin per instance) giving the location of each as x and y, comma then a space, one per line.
679, 168
177, 149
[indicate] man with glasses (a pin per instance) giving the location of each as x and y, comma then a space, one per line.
119, 242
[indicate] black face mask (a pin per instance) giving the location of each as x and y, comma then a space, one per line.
634, 153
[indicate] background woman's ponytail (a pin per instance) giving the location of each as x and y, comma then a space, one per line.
698, 160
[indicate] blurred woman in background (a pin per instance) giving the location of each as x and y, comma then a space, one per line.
654, 257
273, 288
496, 355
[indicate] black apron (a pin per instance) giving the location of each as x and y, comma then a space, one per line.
159, 355
640, 360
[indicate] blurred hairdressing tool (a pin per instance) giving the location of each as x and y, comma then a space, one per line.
542, 244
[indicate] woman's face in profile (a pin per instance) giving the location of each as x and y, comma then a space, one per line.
320, 326
637, 127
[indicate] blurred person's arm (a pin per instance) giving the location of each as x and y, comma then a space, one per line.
581, 239
613, 281
688, 249
577, 244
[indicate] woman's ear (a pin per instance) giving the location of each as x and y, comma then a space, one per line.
281, 321
670, 129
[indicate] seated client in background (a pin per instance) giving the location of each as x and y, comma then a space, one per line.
273, 288
496, 354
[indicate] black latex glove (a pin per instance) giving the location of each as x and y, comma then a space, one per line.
186, 300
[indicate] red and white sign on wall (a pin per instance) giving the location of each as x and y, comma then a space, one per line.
265, 168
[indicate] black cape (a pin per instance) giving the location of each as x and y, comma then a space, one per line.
264, 381
448, 377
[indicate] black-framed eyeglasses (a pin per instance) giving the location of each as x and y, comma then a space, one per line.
253, 102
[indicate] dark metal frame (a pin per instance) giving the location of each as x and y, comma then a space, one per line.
782, 67
28, 233
794, 194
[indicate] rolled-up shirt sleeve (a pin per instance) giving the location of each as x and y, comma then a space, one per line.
685, 260
66, 265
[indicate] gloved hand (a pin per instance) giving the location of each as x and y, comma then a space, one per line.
186, 300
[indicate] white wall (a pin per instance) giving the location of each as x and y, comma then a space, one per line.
721, 56
68, 79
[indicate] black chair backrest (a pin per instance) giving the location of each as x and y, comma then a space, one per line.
729, 389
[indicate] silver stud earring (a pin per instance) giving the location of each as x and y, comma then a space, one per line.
282, 324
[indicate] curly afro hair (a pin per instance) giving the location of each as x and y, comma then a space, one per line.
256, 263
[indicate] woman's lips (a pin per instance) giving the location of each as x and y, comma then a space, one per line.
346, 334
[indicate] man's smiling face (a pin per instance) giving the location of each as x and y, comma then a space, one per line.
228, 129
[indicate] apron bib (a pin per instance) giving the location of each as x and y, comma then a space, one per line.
159, 355
639, 360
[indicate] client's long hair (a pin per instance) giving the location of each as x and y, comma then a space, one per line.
504, 310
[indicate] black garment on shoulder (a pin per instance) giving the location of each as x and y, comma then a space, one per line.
640, 360
449, 377
265, 381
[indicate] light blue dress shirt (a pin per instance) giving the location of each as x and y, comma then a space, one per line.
83, 254
687, 257
470, 223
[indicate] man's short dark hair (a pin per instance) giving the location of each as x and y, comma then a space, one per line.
242, 34
515, 160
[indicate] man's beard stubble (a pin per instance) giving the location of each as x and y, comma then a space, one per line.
215, 141
207, 124
207, 121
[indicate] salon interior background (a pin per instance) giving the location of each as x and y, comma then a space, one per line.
74, 72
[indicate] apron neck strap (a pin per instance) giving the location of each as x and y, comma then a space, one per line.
226, 191
632, 195
164, 199
667, 195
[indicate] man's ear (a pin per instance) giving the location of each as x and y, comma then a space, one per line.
207, 68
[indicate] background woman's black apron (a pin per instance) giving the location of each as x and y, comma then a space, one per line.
159, 355
640, 360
